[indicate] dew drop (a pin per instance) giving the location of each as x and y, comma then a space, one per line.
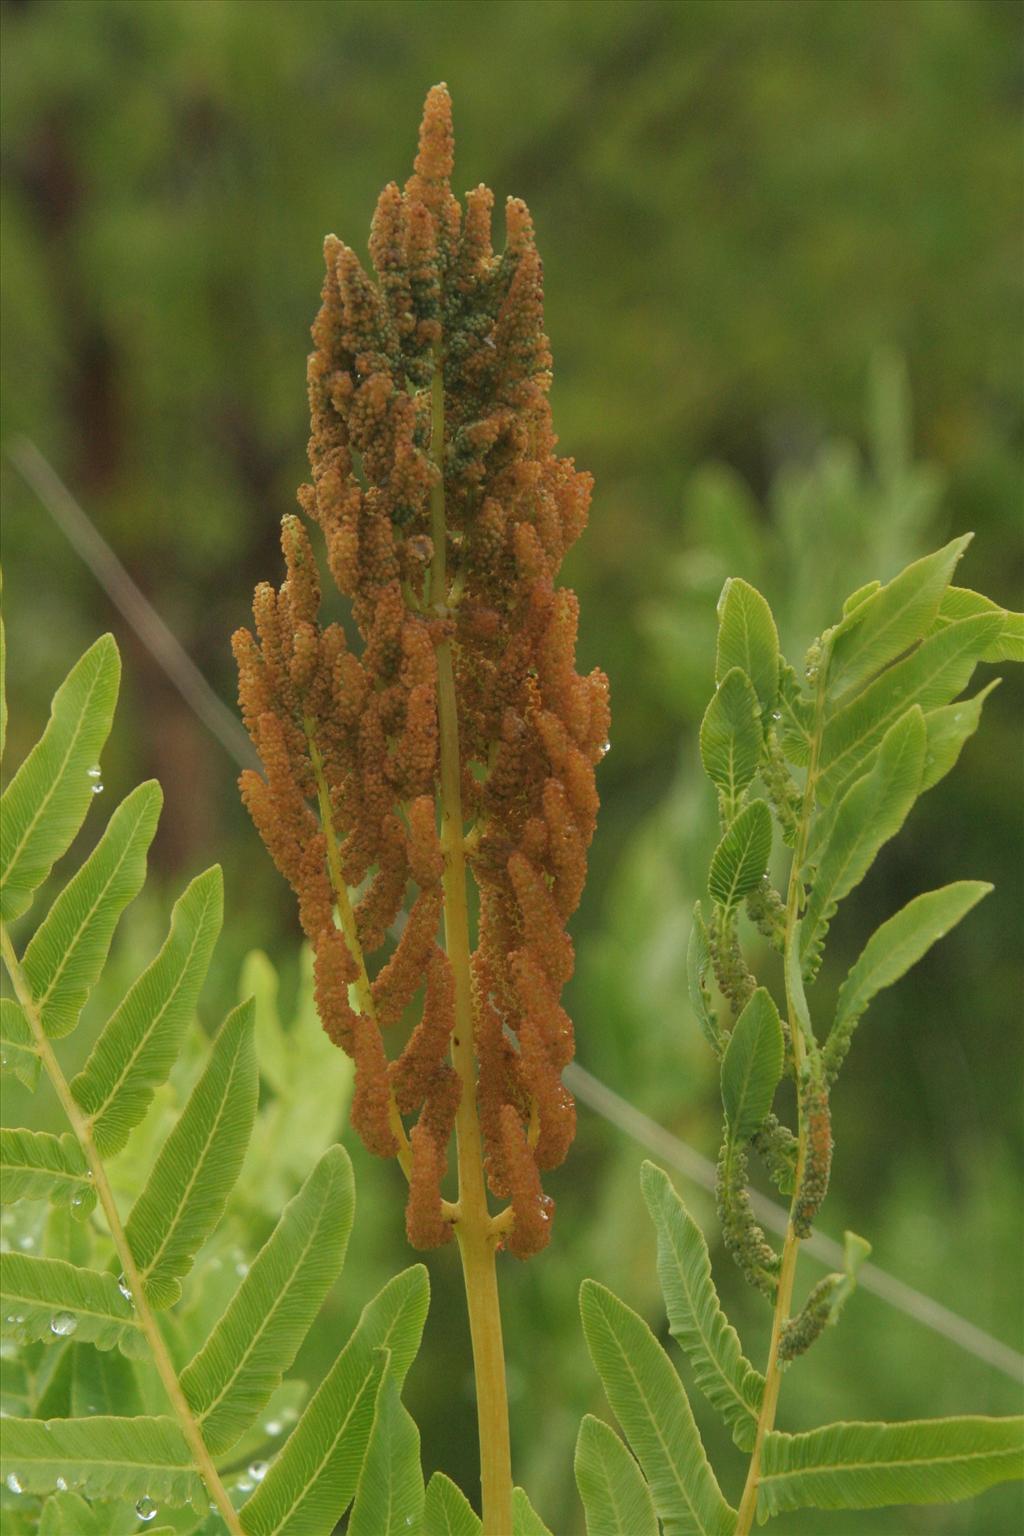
26, 1242
63, 1324
94, 772
61, 1485
145, 1508
241, 1269
14, 1483
606, 747
77, 1200
258, 1470
776, 714
97, 789
273, 1426
244, 1485
123, 1287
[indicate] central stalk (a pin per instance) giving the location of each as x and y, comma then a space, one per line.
477, 1240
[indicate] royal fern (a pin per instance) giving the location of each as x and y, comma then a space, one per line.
836, 762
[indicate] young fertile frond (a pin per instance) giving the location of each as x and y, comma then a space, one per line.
695, 1315
616, 1500
874, 723
863, 1466
650, 1404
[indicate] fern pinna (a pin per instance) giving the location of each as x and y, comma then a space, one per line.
458, 741
125, 1400
832, 760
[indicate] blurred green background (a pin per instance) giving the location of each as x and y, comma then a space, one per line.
782, 250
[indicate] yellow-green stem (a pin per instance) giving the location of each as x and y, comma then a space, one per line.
147, 1321
791, 1245
474, 1230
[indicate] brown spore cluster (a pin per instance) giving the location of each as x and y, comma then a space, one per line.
350, 800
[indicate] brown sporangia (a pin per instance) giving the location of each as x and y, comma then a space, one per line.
350, 797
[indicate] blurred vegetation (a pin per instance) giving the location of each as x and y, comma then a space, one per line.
750, 214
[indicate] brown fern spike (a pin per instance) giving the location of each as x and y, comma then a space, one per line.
459, 736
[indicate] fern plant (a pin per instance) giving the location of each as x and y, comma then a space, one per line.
832, 762
116, 1412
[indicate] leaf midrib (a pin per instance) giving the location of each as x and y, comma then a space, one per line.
838, 1467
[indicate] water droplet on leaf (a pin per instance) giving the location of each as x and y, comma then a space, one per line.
97, 789
273, 1426
241, 1269
14, 1482
61, 1485
258, 1470
145, 1508
63, 1324
123, 1287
